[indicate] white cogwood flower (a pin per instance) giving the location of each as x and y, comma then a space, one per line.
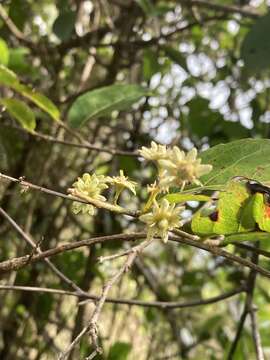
123, 182
155, 152
120, 182
180, 168
91, 186
161, 219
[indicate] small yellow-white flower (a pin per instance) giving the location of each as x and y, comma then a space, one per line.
161, 219
91, 186
183, 168
155, 152
122, 181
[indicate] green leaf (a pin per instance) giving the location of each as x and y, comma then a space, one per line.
255, 49
181, 198
119, 351
19, 11
103, 101
21, 112
147, 7
40, 100
8, 77
201, 119
64, 24
246, 157
4, 52
248, 236
18, 61
150, 64
176, 57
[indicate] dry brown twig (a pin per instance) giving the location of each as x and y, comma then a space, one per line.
36, 248
129, 302
92, 326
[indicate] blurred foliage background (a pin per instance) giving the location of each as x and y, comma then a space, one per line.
192, 73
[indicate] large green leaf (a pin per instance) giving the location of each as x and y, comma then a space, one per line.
64, 24
246, 157
21, 112
255, 49
103, 101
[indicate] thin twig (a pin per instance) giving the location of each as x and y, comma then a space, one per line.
88, 146
221, 7
13, 28
80, 198
255, 333
253, 249
121, 254
17, 263
54, 140
92, 325
129, 302
32, 243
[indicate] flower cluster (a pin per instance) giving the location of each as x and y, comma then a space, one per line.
91, 186
161, 219
176, 168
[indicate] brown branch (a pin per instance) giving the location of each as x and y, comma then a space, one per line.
92, 325
129, 302
220, 7
253, 249
13, 28
35, 247
225, 254
18, 263
188, 239
115, 152
80, 198
15, 264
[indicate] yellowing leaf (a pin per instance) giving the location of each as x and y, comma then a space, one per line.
232, 214
261, 211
